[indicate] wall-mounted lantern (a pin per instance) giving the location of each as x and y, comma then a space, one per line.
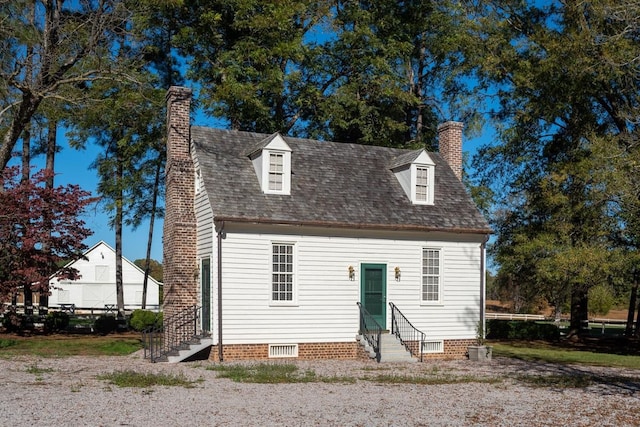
352, 273
398, 273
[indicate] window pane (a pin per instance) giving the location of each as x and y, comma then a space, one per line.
422, 184
430, 275
282, 272
276, 171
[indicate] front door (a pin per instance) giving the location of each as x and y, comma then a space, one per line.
373, 291
205, 290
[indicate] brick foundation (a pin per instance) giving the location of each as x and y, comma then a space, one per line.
453, 349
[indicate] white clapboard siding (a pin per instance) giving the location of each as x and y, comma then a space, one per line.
325, 302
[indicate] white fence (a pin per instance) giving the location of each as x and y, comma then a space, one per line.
512, 316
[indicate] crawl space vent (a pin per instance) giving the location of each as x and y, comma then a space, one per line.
283, 350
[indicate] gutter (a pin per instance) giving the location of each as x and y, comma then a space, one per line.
483, 285
220, 237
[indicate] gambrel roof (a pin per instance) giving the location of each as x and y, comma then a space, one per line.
332, 184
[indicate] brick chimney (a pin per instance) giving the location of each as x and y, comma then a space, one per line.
450, 143
179, 240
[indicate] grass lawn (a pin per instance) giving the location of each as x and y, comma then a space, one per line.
612, 354
69, 345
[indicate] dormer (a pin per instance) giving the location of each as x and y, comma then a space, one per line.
415, 172
271, 160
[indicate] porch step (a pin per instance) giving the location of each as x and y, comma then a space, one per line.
391, 349
188, 349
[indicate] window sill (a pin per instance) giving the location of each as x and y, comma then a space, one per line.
283, 304
431, 304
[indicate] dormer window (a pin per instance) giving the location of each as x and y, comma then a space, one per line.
271, 160
422, 184
276, 171
415, 172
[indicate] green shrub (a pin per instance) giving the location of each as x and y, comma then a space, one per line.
522, 330
142, 319
13, 322
56, 321
105, 324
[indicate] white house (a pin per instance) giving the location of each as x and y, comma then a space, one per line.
278, 239
97, 284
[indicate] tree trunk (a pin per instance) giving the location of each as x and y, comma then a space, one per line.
632, 307
28, 107
118, 227
579, 323
154, 203
26, 175
637, 329
52, 144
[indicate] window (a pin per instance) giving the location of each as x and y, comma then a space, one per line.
271, 160
422, 184
282, 272
276, 171
102, 273
431, 275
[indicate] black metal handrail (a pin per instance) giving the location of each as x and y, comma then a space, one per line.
175, 331
370, 330
411, 337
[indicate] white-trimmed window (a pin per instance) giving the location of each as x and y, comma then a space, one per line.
271, 160
431, 274
282, 273
276, 171
422, 184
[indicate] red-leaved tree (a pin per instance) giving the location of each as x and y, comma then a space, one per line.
39, 228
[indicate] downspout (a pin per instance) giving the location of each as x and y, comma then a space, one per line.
483, 279
220, 237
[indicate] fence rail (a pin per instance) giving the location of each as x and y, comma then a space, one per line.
73, 309
514, 316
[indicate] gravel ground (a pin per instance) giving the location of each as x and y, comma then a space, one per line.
67, 391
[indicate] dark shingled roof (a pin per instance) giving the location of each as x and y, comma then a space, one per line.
332, 184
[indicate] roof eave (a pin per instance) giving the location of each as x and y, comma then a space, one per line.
358, 226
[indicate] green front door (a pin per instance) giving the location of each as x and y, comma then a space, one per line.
205, 290
373, 291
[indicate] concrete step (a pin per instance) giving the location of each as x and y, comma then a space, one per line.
391, 349
186, 351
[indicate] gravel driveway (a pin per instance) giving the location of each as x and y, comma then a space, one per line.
67, 391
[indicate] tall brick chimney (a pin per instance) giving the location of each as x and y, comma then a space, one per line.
179, 241
450, 143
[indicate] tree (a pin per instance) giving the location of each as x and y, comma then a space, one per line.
567, 78
395, 71
48, 51
126, 125
39, 227
252, 59
155, 267
380, 72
